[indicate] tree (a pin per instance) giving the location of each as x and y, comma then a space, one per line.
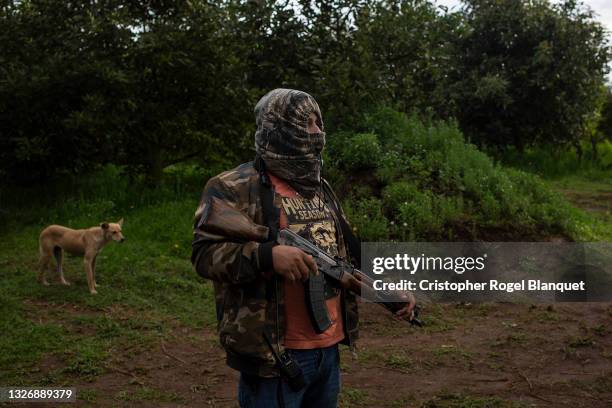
406, 46
528, 72
141, 84
603, 130
53, 54
180, 93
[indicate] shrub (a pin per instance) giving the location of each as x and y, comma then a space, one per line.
392, 166
416, 218
362, 151
431, 183
399, 193
367, 219
419, 213
605, 155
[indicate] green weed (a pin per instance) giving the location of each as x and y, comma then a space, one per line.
581, 341
148, 394
351, 396
468, 401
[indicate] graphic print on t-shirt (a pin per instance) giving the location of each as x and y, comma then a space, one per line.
312, 220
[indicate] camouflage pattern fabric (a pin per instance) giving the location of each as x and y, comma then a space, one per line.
249, 300
282, 139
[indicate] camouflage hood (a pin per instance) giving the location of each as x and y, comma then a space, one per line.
283, 142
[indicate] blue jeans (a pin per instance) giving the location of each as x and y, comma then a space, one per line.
321, 368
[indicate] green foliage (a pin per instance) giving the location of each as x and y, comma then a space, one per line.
104, 194
88, 84
367, 219
152, 84
604, 125
605, 154
361, 151
436, 186
553, 163
527, 72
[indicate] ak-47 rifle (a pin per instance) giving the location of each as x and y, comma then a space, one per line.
221, 219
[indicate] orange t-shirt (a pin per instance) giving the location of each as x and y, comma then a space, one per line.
304, 217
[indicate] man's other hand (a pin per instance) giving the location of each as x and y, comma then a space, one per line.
293, 263
407, 312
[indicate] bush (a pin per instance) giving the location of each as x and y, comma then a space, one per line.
554, 163
367, 219
432, 185
362, 151
605, 155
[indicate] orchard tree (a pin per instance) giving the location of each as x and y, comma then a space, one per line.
405, 45
527, 72
180, 95
52, 55
604, 127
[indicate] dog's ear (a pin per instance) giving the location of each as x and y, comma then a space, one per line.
120, 222
104, 225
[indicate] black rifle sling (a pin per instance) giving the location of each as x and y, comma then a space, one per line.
314, 288
289, 368
271, 214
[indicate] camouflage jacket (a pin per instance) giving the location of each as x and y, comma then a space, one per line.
249, 304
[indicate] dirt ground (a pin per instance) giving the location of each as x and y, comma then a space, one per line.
487, 355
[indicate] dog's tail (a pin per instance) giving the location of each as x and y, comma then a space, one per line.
44, 245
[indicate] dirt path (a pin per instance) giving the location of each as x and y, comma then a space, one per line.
490, 355
594, 197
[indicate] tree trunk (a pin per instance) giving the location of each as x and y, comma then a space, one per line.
579, 152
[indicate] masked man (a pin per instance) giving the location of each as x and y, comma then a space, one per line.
264, 324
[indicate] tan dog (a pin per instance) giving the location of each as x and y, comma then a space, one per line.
89, 242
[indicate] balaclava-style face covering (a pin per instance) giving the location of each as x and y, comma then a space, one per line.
283, 142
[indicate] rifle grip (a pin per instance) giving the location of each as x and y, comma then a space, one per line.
314, 289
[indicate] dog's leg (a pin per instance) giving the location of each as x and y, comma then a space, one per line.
45, 257
89, 271
59, 258
93, 268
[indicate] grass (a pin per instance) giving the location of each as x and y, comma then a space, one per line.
148, 394
350, 397
399, 361
594, 197
556, 163
450, 353
468, 401
581, 341
587, 184
148, 285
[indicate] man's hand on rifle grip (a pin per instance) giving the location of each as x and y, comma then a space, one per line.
408, 309
293, 263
